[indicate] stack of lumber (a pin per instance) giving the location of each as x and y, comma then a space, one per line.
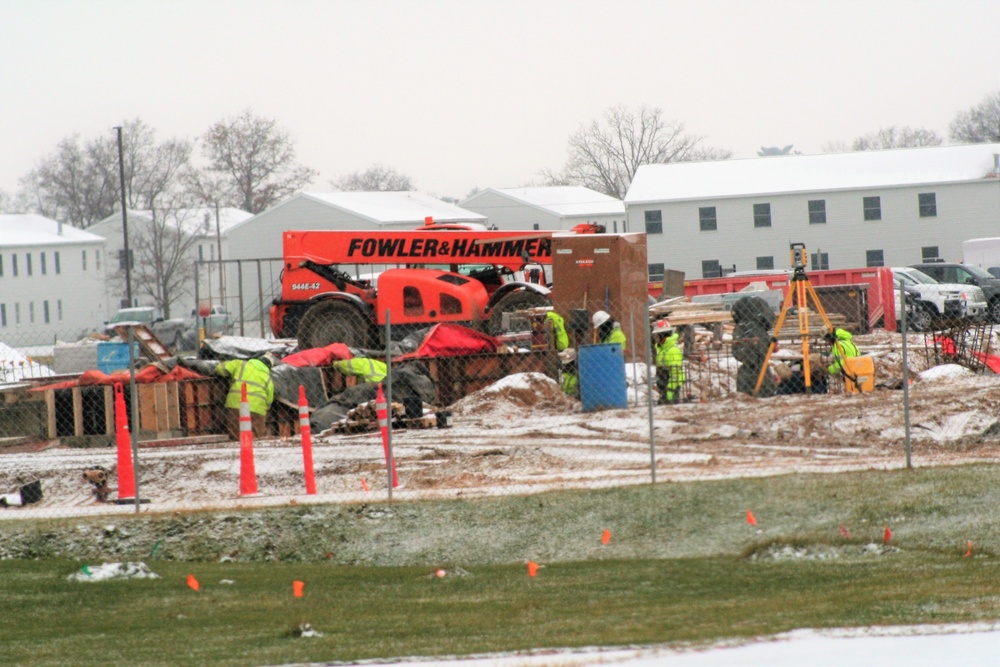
790, 329
365, 418
680, 311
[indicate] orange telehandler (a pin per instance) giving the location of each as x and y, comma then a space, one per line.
419, 277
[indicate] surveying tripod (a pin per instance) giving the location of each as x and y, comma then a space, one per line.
798, 289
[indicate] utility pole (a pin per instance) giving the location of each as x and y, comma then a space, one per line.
128, 256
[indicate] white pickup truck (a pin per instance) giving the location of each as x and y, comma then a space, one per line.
170, 332
936, 299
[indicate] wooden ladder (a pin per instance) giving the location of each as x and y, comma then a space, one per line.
150, 345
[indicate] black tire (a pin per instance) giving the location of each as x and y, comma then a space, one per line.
520, 300
922, 318
995, 311
333, 322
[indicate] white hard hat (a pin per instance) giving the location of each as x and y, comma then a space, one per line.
600, 317
568, 355
663, 327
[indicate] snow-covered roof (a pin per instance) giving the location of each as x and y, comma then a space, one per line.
29, 229
194, 221
395, 207
565, 200
680, 181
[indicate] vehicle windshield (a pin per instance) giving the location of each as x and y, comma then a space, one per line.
914, 276
977, 272
133, 316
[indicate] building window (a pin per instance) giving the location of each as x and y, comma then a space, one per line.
31, 312
707, 219
654, 222
121, 259
83, 254
874, 258
59, 309
820, 261
1, 266
3, 314
710, 268
655, 271
17, 313
873, 208
42, 263
535, 226
761, 215
201, 253
97, 259
928, 204
58, 267
929, 253
45, 311
27, 262
13, 265
765, 263
817, 211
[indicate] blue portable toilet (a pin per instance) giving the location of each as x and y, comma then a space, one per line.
602, 376
113, 357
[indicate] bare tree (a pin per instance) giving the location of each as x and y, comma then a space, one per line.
163, 255
375, 178
79, 183
768, 151
13, 203
257, 159
896, 137
604, 156
980, 124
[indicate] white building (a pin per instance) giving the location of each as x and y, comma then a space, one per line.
556, 207
871, 208
52, 281
257, 241
206, 229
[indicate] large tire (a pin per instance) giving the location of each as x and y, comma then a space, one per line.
520, 300
333, 322
922, 318
994, 311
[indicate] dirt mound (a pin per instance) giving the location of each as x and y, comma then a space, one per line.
519, 392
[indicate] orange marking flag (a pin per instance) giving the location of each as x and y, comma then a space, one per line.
364, 484
844, 532
605, 537
297, 588
193, 583
751, 519
968, 548
887, 535
532, 568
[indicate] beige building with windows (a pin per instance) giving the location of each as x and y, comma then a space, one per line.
871, 208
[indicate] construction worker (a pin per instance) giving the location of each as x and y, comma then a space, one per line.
364, 368
570, 380
256, 375
608, 331
669, 362
560, 338
841, 347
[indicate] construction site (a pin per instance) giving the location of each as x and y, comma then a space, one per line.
472, 396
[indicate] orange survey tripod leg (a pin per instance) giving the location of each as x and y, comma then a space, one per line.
799, 292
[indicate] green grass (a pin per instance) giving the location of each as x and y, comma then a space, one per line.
682, 566
384, 612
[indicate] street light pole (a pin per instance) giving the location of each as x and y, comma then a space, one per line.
128, 257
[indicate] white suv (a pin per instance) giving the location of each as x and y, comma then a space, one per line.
937, 299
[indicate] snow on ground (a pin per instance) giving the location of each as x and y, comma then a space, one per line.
522, 435
972, 645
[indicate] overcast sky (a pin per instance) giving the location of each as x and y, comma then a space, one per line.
458, 94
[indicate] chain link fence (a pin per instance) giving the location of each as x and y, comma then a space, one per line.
525, 400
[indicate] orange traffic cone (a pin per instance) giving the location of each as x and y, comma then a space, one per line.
248, 474
382, 410
123, 438
306, 431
